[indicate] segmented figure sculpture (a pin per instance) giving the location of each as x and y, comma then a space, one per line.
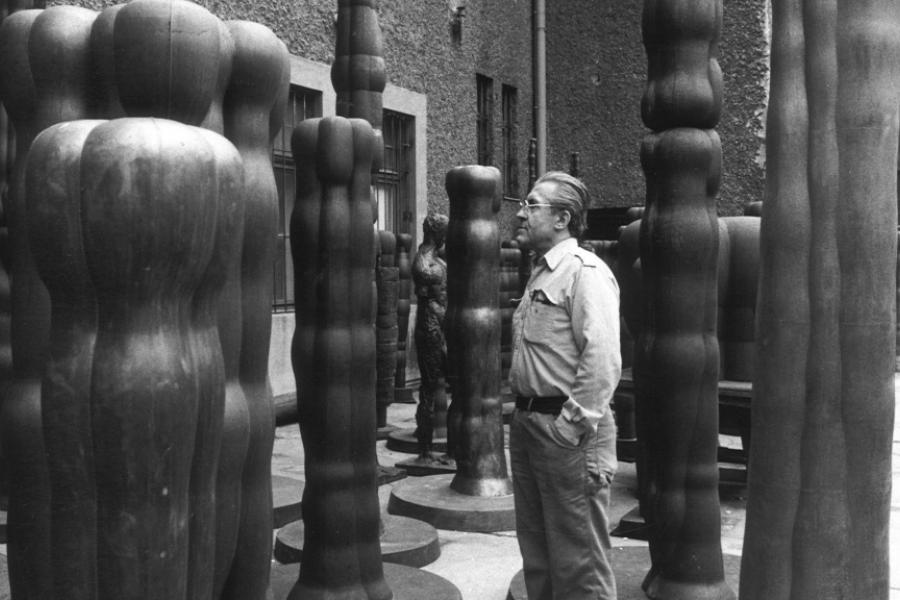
475, 420
676, 364
333, 353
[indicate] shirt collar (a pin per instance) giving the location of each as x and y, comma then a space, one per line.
555, 254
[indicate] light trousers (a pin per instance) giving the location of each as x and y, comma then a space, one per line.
562, 494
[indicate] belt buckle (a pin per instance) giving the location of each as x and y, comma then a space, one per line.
530, 402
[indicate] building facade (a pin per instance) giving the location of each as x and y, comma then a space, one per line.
460, 91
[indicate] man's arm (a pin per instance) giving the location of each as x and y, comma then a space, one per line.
595, 325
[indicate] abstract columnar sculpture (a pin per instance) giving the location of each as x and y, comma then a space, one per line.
823, 406
126, 251
358, 73
43, 80
170, 59
475, 424
677, 353
334, 355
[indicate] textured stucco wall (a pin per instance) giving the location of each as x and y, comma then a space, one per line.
596, 70
596, 74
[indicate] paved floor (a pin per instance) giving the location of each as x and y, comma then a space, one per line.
482, 565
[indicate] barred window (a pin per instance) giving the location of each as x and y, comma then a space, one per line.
510, 160
303, 103
485, 119
393, 181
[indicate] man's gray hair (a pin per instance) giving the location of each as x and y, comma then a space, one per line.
570, 195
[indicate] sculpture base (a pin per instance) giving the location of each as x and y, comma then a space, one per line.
390, 474
404, 541
419, 467
286, 496
404, 440
285, 409
631, 565
404, 395
382, 433
632, 525
430, 499
407, 583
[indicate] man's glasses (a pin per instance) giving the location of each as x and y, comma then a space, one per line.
525, 205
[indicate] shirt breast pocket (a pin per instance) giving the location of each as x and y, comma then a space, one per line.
546, 323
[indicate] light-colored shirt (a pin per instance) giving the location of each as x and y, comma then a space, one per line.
566, 334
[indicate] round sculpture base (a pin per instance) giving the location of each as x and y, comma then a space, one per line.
286, 496
418, 466
631, 565
430, 499
407, 583
404, 541
404, 440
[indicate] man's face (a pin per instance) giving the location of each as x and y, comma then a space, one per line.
537, 220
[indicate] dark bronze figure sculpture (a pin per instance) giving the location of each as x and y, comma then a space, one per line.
475, 427
823, 412
334, 355
429, 276
677, 354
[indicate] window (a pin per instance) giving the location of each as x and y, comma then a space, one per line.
303, 104
392, 182
510, 160
485, 119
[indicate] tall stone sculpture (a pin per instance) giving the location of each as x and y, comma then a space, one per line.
677, 354
429, 275
358, 72
823, 406
130, 218
334, 354
53, 177
43, 80
259, 80
475, 427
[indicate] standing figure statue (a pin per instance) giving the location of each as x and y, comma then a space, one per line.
429, 274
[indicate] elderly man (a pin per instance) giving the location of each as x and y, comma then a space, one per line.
566, 364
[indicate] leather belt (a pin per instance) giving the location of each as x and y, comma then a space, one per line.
551, 405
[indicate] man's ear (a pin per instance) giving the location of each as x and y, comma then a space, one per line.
562, 219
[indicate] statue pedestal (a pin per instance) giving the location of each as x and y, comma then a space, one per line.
407, 583
430, 499
286, 495
404, 541
404, 440
419, 467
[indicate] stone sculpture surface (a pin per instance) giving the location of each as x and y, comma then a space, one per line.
474, 421
333, 353
676, 359
823, 407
